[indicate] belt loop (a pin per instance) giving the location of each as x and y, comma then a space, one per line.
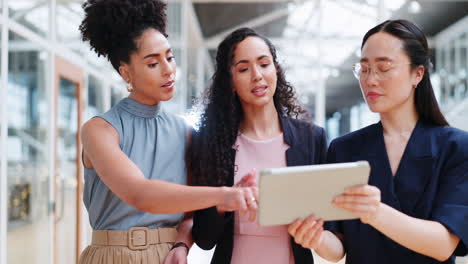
158, 235
107, 237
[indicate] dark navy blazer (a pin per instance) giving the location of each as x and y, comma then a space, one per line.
430, 183
307, 145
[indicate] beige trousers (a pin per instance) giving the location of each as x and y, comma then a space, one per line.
137, 245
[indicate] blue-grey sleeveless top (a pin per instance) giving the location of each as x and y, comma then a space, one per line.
155, 141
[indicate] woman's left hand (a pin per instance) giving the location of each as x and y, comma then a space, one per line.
177, 255
362, 200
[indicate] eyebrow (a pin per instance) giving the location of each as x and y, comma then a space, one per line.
246, 61
377, 59
157, 54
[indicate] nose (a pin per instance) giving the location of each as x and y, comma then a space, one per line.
256, 74
168, 68
370, 80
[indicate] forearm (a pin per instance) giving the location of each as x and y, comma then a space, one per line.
331, 247
425, 237
160, 197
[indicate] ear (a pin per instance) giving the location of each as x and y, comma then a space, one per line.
124, 72
418, 75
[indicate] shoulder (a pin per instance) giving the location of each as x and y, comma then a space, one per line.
356, 137
176, 125
450, 140
451, 134
304, 125
98, 128
178, 121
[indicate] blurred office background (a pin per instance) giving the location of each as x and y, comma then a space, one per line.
50, 83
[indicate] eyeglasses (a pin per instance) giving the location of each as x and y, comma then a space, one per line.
381, 70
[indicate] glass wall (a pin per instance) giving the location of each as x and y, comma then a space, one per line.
67, 127
1, 6
450, 78
32, 14
95, 97
116, 95
452, 67
67, 20
174, 17
27, 156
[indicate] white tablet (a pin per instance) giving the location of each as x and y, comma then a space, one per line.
286, 194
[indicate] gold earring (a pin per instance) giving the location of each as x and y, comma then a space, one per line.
130, 87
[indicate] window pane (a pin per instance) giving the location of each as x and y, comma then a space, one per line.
115, 96
33, 14
27, 157
69, 14
95, 98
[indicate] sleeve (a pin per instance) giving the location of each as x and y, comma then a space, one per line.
451, 201
208, 227
333, 226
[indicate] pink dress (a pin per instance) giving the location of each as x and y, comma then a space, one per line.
253, 243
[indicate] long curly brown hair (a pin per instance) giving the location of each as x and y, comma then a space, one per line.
210, 156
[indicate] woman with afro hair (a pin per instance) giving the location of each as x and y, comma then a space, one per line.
251, 120
134, 154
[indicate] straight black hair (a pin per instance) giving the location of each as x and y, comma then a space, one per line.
416, 48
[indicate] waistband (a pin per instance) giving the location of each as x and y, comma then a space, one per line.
136, 238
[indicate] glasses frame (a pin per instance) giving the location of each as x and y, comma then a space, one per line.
356, 68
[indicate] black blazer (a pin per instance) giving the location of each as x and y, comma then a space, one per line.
430, 183
307, 146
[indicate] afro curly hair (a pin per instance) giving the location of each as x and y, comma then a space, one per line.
112, 27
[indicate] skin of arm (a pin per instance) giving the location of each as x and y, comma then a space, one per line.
429, 238
125, 179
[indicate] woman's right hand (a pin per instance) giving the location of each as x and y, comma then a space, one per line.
307, 233
242, 199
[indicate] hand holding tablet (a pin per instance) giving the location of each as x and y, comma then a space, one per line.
286, 194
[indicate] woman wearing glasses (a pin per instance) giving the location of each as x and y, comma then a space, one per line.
415, 208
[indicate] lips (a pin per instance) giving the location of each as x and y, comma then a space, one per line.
260, 90
373, 95
168, 85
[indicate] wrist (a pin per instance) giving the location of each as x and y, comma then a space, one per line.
181, 244
374, 220
222, 193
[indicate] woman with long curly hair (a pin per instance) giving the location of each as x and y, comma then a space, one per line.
250, 121
134, 155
